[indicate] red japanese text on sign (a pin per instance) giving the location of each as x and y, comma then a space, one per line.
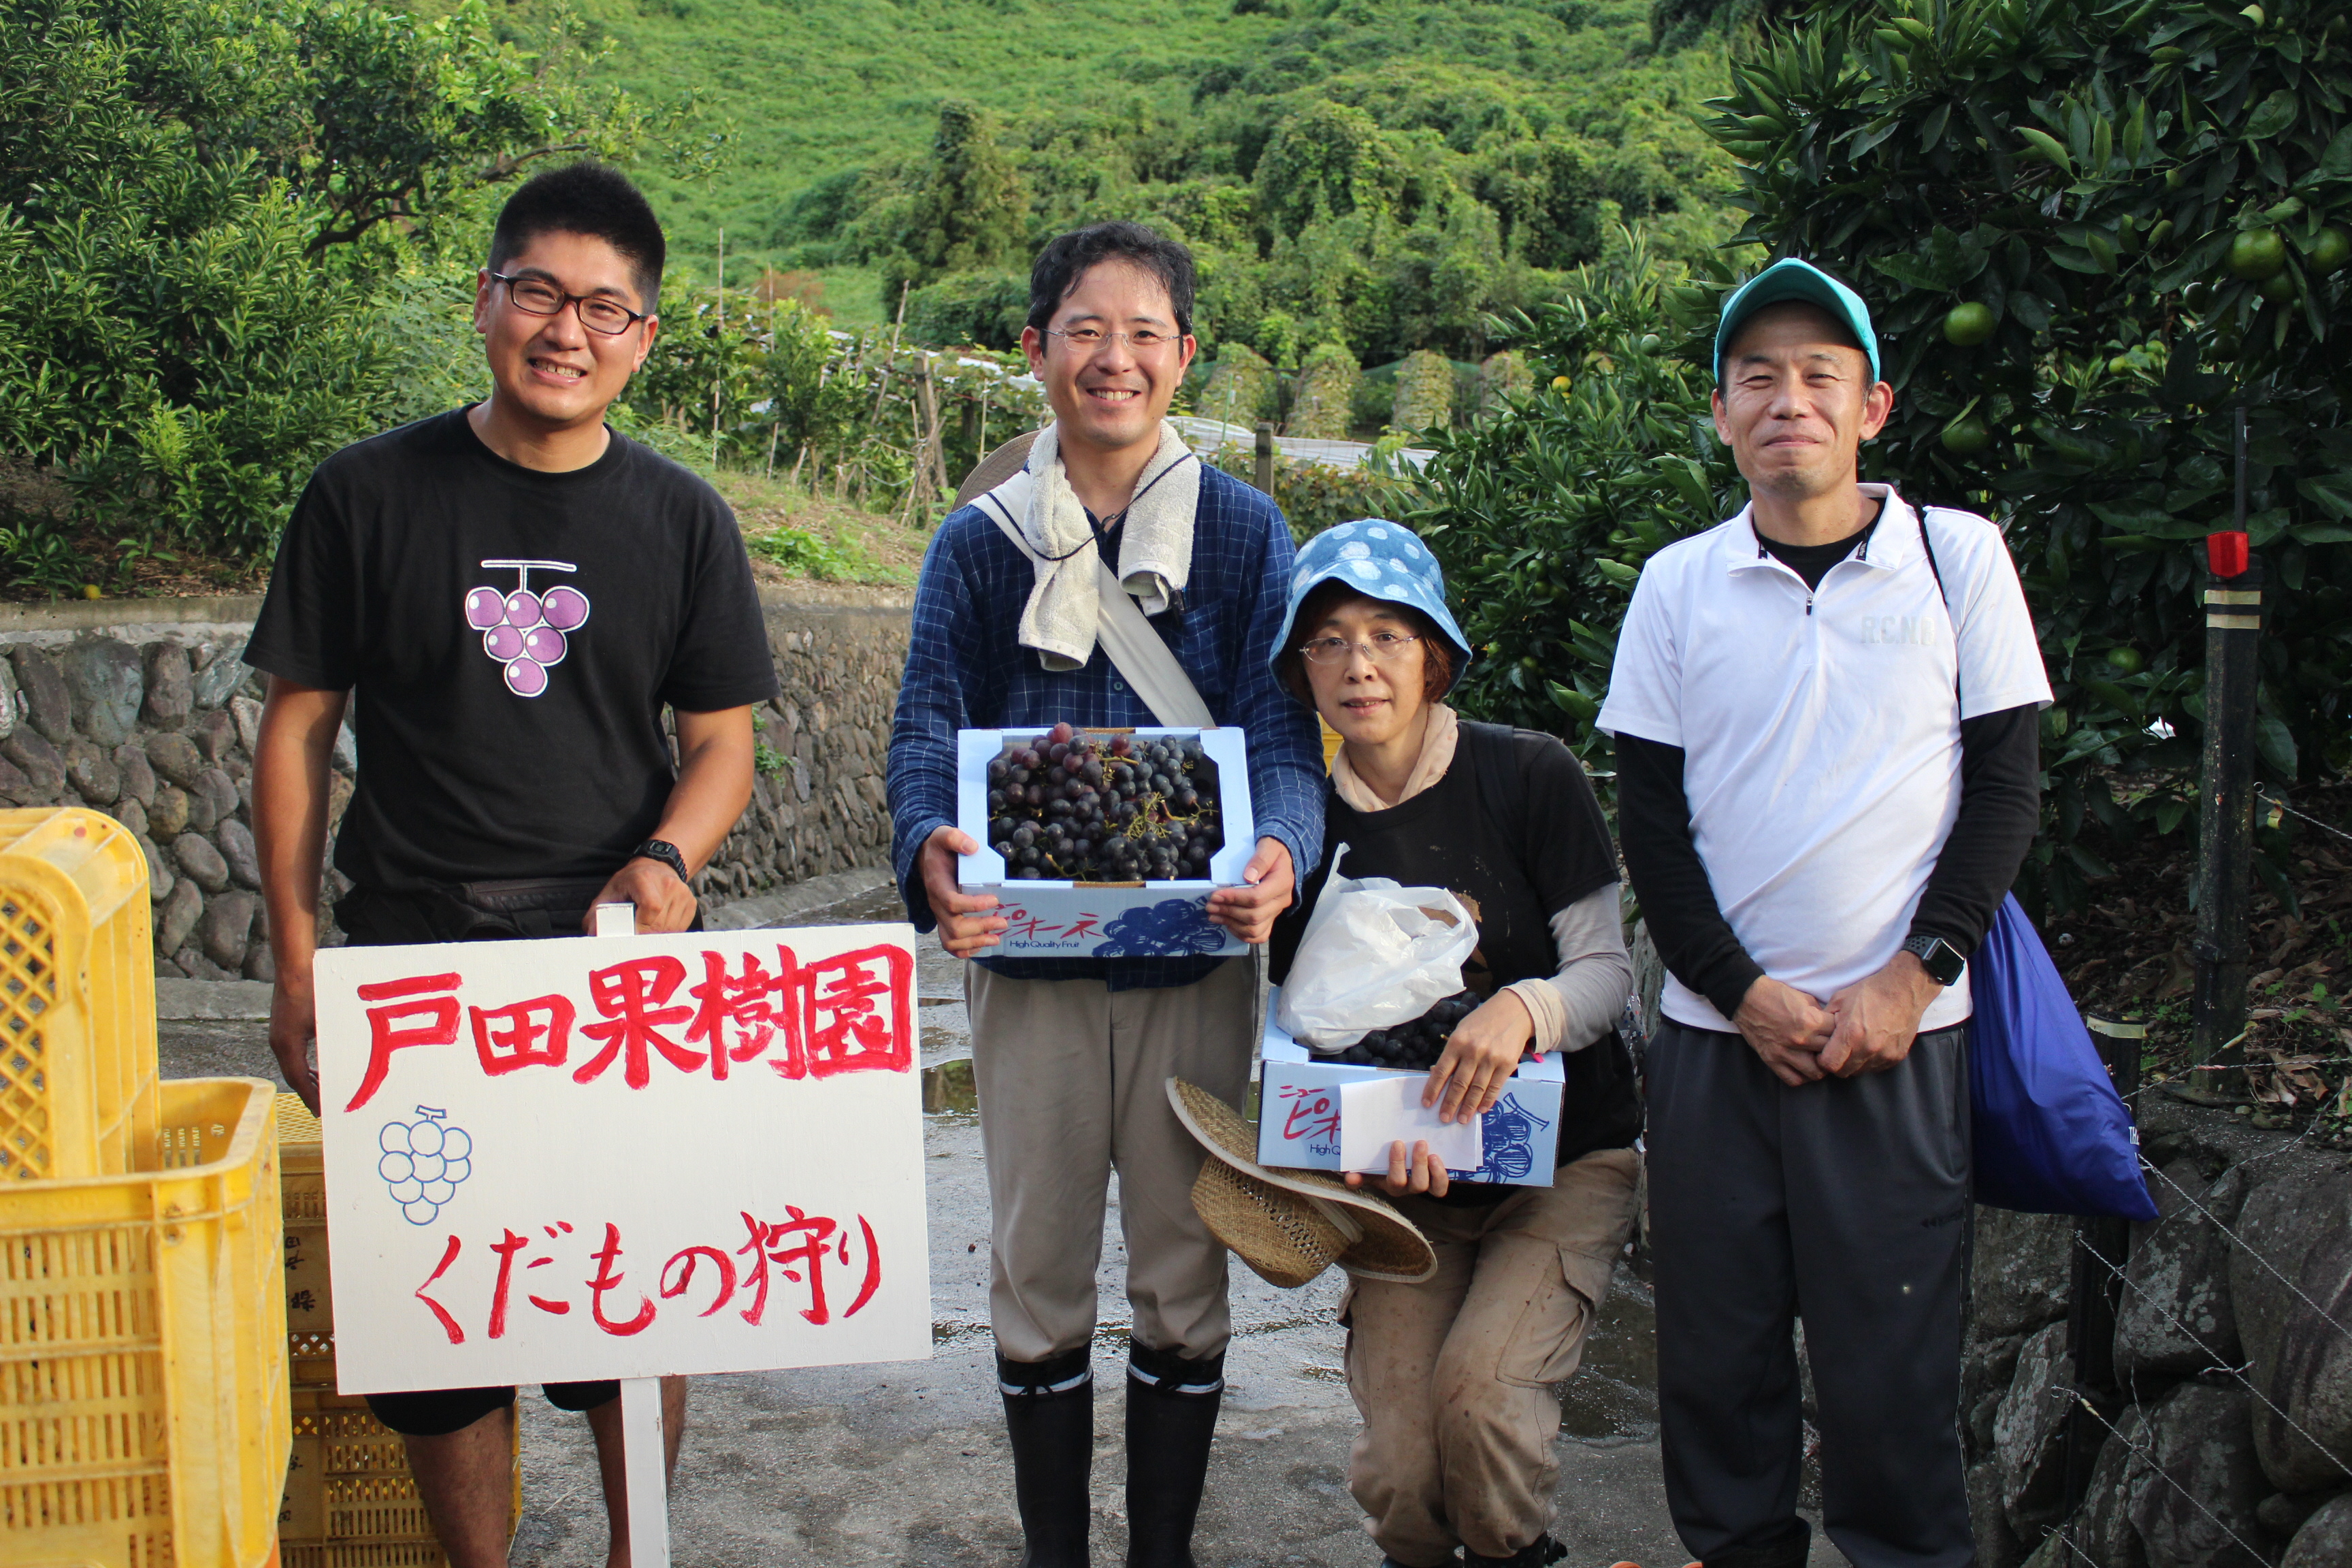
630, 996
851, 1012
423, 1012
796, 1251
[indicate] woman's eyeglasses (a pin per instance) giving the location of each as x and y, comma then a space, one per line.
1382, 647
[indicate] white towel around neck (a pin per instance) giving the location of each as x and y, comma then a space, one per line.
1155, 550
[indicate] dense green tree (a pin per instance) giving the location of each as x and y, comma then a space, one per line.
1325, 397
1386, 175
970, 210
1425, 393
2151, 202
218, 213
2090, 235
1327, 161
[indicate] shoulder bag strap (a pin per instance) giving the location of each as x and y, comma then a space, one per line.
1128, 639
1946, 595
1494, 754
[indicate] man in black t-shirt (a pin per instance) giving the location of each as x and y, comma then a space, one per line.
506, 596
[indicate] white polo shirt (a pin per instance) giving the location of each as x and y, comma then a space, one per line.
1820, 730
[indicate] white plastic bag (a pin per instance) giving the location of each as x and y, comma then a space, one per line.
1373, 954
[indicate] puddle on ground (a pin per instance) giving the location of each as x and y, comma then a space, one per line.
1613, 1397
948, 1089
948, 1333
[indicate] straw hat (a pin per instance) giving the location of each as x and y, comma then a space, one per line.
1290, 1225
994, 469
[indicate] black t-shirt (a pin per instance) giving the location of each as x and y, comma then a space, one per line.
1513, 827
511, 638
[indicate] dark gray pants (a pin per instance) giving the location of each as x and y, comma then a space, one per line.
1844, 1203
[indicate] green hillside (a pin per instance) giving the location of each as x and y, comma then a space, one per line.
821, 86
1109, 109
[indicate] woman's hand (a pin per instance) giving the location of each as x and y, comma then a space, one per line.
1417, 1172
1480, 1057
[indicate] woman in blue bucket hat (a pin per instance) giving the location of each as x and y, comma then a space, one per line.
1456, 1375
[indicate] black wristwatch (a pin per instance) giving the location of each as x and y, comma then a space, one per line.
667, 853
1939, 958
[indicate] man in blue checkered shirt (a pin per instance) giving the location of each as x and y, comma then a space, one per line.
1071, 1056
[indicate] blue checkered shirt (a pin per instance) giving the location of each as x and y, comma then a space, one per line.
967, 670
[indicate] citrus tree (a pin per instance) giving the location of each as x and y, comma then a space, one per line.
2090, 234
1543, 512
225, 228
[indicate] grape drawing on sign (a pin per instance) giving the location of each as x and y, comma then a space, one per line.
526, 632
422, 1162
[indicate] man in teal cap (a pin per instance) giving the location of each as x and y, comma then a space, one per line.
1825, 714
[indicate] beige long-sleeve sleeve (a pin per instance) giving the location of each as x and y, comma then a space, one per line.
1583, 1001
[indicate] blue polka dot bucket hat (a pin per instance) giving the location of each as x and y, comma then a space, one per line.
1379, 560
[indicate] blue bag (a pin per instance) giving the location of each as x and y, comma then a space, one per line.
2051, 1134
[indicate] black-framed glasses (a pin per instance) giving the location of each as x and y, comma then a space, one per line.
1382, 647
600, 313
1087, 340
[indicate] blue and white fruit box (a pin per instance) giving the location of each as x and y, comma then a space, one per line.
1053, 918
1298, 1115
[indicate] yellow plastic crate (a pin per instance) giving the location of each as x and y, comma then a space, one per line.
310, 1293
143, 1415
78, 1094
349, 1501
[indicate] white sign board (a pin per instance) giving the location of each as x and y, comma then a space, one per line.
623, 1157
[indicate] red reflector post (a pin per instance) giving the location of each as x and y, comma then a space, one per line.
2226, 554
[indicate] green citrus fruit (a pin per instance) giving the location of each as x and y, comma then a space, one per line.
1966, 436
1560, 385
1968, 325
2126, 660
2331, 247
2257, 255
2279, 287
2119, 366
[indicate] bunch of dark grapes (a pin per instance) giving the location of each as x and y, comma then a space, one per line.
1413, 1046
1104, 808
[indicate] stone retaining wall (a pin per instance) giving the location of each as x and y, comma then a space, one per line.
142, 710
2247, 1270
2252, 1472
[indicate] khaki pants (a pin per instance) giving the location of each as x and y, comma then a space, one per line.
1072, 1081
1456, 1377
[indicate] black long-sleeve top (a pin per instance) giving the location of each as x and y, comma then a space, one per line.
2001, 808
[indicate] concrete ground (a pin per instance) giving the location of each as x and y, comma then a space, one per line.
907, 1463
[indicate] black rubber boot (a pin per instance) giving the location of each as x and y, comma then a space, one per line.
1049, 1409
1541, 1552
1171, 1414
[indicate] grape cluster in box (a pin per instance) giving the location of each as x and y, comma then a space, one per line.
1111, 849
1299, 1097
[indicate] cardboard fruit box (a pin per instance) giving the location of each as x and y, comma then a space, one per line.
1298, 1111
1060, 919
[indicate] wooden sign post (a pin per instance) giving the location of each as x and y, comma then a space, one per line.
629, 1158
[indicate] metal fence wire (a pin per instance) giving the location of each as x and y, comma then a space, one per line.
2117, 1277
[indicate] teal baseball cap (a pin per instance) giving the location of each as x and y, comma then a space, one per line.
1791, 279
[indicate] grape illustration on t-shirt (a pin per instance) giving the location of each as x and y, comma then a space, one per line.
525, 631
